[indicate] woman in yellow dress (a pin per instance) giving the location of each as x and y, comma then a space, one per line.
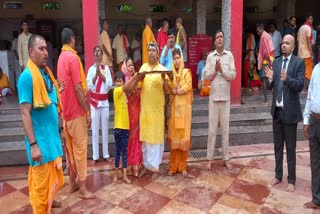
179, 124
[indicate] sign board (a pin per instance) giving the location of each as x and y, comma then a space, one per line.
196, 45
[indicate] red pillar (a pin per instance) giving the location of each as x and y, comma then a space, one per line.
236, 48
90, 30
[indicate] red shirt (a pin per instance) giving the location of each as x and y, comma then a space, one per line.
69, 72
162, 38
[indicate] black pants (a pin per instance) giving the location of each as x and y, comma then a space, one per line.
284, 133
314, 143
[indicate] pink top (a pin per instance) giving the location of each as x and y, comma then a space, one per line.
69, 72
266, 49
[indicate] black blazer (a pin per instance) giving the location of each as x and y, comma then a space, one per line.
291, 88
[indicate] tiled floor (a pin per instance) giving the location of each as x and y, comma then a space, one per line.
244, 189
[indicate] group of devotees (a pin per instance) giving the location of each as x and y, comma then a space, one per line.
57, 113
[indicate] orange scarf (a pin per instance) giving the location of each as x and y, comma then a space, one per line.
82, 74
41, 99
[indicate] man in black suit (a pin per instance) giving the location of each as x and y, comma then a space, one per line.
286, 76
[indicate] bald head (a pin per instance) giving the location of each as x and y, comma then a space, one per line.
287, 45
149, 21
179, 22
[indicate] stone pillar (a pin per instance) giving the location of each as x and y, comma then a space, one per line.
201, 16
226, 21
90, 30
232, 18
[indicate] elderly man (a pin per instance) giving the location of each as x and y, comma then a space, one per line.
40, 104
220, 69
181, 38
311, 129
286, 76
152, 112
147, 37
76, 113
99, 81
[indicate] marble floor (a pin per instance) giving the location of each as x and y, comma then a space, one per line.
244, 189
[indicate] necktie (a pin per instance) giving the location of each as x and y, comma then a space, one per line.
280, 87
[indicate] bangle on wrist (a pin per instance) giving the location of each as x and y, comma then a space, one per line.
32, 144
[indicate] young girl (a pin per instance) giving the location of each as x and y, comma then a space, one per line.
121, 121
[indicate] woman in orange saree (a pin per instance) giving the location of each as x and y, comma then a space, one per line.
133, 97
179, 124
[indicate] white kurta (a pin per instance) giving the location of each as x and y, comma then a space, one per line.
101, 113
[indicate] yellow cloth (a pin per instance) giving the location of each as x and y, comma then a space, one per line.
44, 182
82, 73
179, 123
178, 36
265, 62
121, 113
147, 37
152, 106
40, 94
178, 161
76, 132
4, 82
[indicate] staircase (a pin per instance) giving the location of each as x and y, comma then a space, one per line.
250, 123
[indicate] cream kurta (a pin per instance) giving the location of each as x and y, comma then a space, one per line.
23, 48
152, 106
105, 40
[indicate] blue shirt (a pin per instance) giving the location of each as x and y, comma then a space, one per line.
313, 99
45, 122
200, 67
167, 61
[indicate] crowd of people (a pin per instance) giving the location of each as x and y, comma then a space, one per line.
152, 99
264, 50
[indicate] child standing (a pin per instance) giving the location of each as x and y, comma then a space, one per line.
121, 121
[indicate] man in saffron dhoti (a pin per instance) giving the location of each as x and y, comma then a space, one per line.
40, 107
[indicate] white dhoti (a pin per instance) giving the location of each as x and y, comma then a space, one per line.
100, 114
152, 155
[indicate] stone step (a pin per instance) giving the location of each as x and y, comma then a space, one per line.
13, 114
13, 152
9, 121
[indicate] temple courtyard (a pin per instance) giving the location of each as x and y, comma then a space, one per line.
244, 189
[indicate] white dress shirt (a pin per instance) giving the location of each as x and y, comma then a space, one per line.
289, 57
313, 99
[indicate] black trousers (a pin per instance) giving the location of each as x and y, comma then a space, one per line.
284, 133
314, 143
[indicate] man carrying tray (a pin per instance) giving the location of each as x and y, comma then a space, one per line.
152, 111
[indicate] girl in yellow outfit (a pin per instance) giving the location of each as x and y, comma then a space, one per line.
179, 124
